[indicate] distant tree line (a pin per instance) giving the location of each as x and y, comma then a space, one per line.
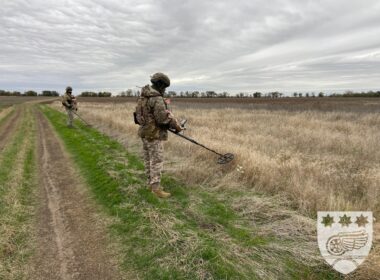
29, 93
358, 94
52, 93
129, 93
274, 94
49, 93
95, 94
199, 94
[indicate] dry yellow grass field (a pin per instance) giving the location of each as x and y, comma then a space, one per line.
304, 160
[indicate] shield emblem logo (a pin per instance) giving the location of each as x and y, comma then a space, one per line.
344, 238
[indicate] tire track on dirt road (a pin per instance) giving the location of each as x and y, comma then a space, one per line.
71, 241
16, 194
8, 127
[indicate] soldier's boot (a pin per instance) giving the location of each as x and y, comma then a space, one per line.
161, 193
158, 192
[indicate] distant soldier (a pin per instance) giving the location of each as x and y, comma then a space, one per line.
68, 102
155, 119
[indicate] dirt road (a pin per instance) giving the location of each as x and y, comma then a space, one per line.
71, 239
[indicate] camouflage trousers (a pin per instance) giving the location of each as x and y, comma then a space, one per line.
153, 159
70, 116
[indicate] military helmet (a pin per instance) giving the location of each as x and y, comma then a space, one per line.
69, 89
160, 77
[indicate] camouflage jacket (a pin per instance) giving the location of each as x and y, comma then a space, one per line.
67, 100
155, 114
74, 103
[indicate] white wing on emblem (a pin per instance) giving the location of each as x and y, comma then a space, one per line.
353, 240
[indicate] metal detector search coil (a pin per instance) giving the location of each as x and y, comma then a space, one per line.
226, 158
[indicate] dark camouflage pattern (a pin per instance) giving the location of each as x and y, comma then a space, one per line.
153, 159
70, 117
67, 100
155, 116
74, 103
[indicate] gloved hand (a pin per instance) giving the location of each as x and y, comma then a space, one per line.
174, 124
182, 124
170, 114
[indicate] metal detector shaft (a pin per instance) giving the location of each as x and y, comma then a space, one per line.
223, 159
81, 118
195, 142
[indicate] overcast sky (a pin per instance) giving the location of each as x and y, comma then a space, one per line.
235, 46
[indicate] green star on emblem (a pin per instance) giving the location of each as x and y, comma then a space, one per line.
327, 220
345, 221
361, 221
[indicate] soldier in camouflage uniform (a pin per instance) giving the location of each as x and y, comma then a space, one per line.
68, 102
155, 119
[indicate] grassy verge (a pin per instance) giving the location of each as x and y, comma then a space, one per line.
193, 235
17, 185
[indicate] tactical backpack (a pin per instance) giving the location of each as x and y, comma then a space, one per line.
69, 101
138, 114
143, 99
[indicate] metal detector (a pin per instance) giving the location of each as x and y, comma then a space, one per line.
223, 158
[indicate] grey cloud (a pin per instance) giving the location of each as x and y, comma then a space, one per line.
220, 45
